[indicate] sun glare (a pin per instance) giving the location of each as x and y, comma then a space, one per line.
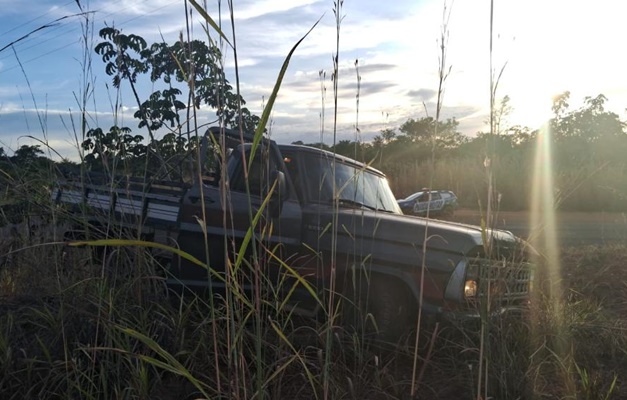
547, 285
532, 109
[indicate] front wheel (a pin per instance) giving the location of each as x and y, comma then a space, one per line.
391, 307
384, 308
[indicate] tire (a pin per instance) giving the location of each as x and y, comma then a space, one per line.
391, 307
384, 310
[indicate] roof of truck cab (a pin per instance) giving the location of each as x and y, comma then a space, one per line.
326, 153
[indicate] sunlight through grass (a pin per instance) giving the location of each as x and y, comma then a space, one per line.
547, 282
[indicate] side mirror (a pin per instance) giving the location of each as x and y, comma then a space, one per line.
280, 194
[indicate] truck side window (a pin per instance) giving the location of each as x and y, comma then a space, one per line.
211, 168
257, 175
319, 183
291, 164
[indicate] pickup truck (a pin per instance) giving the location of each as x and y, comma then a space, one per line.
316, 222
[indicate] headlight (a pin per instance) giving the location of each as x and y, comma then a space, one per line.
470, 288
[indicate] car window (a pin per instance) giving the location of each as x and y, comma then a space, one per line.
413, 196
423, 197
435, 196
292, 164
257, 176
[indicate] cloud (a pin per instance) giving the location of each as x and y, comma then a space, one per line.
421, 95
253, 11
376, 67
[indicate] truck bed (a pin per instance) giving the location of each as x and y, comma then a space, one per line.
131, 202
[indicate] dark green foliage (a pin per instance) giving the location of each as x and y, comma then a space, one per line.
27, 154
591, 123
118, 53
191, 63
195, 59
196, 67
442, 135
24, 181
116, 146
162, 107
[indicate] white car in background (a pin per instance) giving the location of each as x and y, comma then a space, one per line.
439, 202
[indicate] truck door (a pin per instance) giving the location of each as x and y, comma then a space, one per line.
278, 227
226, 219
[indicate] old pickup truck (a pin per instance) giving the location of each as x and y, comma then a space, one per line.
315, 222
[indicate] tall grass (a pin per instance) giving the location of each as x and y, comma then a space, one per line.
443, 72
66, 331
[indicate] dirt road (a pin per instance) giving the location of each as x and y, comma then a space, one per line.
573, 228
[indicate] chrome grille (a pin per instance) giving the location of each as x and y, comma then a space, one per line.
502, 279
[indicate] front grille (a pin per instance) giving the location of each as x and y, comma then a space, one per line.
502, 280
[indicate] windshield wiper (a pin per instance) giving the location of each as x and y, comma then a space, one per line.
357, 204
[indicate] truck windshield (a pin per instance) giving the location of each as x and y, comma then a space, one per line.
355, 186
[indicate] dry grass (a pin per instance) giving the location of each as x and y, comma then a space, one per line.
67, 331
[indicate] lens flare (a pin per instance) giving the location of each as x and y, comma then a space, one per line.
547, 295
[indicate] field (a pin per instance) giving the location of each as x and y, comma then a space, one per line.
71, 329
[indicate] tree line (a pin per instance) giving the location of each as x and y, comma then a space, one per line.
588, 146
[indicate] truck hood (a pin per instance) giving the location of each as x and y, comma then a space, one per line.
381, 229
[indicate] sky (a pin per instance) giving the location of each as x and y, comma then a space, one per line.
540, 48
